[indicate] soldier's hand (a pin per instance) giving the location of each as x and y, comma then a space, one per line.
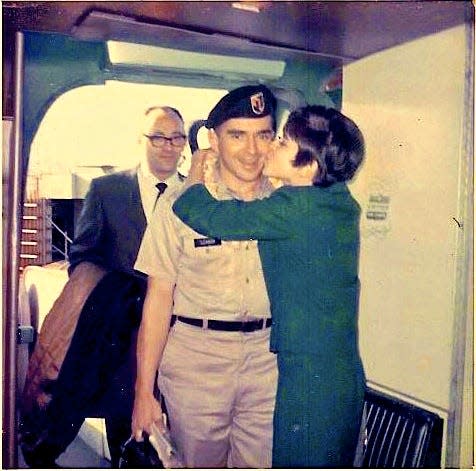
147, 411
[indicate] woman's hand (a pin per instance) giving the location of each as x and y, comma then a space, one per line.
147, 411
197, 168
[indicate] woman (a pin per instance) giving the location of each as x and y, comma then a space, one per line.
308, 233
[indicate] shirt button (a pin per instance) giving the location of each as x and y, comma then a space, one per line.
247, 280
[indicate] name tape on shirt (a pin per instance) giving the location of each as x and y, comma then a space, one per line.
207, 242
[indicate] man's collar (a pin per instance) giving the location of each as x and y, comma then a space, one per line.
148, 176
144, 171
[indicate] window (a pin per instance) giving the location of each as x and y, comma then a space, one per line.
97, 126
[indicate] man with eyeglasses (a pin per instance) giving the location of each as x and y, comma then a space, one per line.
216, 372
116, 211
118, 206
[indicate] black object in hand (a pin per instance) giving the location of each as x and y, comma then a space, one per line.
139, 454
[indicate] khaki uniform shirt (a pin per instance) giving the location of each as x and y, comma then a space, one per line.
213, 279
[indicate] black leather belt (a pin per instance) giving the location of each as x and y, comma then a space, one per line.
229, 326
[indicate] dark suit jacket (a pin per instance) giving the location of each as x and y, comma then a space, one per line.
111, 224
97, 373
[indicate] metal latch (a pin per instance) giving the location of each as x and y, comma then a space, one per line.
25, 334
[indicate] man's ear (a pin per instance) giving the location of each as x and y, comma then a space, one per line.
213, 140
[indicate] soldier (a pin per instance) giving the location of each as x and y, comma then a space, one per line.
216, 372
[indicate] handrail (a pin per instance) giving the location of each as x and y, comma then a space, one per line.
63, 233
54, 248
66, 238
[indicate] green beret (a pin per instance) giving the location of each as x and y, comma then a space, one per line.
251, 101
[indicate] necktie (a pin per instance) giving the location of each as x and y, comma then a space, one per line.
161, 187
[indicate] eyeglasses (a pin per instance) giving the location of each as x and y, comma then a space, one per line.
159, 141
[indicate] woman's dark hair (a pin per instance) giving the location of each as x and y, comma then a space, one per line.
327, 136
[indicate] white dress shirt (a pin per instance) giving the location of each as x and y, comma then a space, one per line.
148, 189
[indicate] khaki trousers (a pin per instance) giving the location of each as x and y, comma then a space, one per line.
220, 388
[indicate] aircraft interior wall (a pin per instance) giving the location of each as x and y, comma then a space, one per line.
414, 190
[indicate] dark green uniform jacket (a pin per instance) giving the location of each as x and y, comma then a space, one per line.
309, 247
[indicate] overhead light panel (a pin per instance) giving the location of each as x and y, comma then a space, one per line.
122, 53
